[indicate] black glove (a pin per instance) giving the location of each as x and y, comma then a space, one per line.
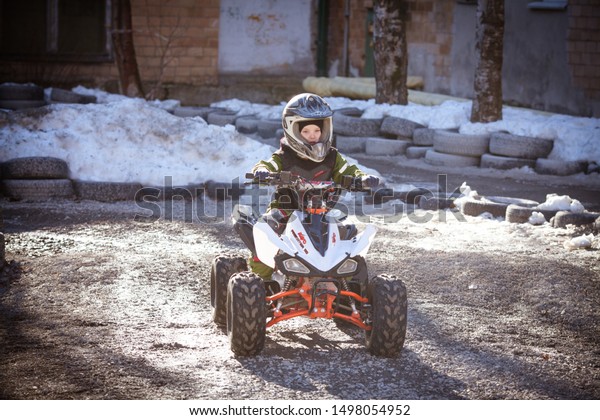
261, 174
369, 181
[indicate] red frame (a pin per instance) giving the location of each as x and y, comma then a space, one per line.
323, 308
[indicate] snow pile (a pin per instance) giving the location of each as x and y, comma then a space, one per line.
466, 193
536, 218
575, 138
133, 140
561, 202
584, 241
261, 111
121, 139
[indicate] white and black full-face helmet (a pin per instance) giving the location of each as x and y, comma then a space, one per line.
299, 111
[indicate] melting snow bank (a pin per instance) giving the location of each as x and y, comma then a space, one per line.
121, 139
132, 140
575, 138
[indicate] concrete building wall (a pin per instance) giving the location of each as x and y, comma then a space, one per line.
535, 68
266, 37
551, 57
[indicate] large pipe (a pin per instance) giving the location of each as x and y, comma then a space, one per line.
345, 55
322, 38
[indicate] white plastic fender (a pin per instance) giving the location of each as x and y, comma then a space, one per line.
268, 243
364, 242
296, 242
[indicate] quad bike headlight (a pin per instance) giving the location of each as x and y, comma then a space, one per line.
295, 266
349, 266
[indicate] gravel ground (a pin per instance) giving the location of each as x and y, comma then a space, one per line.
96, 303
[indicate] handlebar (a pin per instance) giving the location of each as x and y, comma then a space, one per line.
286, 179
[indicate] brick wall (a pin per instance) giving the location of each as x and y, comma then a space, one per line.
429, 37
583, 45
177, 41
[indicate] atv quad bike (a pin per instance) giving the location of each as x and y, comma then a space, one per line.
319, 272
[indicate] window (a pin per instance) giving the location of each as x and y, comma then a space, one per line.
55, 29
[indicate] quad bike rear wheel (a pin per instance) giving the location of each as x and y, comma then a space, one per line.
246, 314
389, 312
223, 267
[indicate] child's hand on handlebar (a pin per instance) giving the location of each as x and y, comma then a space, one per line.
369, 181
261, 174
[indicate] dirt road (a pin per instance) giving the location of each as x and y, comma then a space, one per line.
95, 304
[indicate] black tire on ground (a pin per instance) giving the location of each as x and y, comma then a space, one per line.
454, 143
222, 118
388, 299
193, 111
267, 129
16, 104
520, 214
564, 218
35, 168
378, 146
21, 92
223, 267
347, 144
246, 314
67, 96
247, 124
436, 202
37, 189
504, 162
416, 152
399, 127
413, 196
423, 136
107, 191
493, 205
510, 145
446, 159
348, 122
559, 167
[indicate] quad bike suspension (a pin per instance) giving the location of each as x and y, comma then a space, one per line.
320, 302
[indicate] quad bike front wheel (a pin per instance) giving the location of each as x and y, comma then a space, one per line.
223, 267
246, 314
389, 316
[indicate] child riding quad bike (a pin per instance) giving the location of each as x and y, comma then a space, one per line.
305, 261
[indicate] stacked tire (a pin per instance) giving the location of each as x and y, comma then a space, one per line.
457, 149
107, 192
496, 206
389, 136
517, 210
58, 95
21, 96
36, 179
508, 151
